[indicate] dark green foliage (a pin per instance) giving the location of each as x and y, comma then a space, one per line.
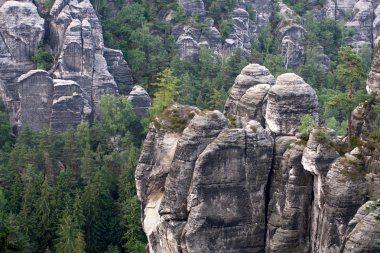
48, 4
43, 58
12, 240
63, 190
307, 125
5, 128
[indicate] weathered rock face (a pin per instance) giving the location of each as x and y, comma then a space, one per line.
189, 40
214, 188
240, 36
197, 191
289, 211
344, 194
288, 100
374, 77
21, 30
361, 24
264, 9
247, 100
69, 106
193, 7
292, 36
140, 101
119, 69
363, 230
81, 72
36, 93
79, 41
227, 193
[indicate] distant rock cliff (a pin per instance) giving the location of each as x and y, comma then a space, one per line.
246, 181
83, 70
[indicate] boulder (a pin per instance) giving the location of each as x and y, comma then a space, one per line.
288, 100
140, 101
119, 69
247, 99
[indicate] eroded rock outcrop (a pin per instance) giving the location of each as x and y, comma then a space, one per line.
289, 209
140, 101
81, 71
21, 30
36, 91
252, 186
248, 96
119, 69
288, 100
361, 24
69, 106
79, 42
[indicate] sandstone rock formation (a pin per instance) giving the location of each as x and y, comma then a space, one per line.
193, 7
248, 97
288, 100
21, 30
252, 186
119, 69
361, 24
190, 39
79, 42
36, 91
69, 106
71, 91
140, 101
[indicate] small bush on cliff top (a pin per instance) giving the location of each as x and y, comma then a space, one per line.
306, 126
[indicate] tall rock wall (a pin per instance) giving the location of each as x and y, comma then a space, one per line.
83, 69
255, 184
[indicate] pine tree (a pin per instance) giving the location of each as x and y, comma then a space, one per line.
99, 212
88, 166
44, 215
350, 72
166, 93
70, 237
11, 238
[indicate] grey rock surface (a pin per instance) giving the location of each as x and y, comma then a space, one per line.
189, 40
186, 193
36, 91
227, 192
374, 77
363, 231
289, 210
76, 35
119, 69
193, 7
140, 101
206, 188
361, 24
344, 192
69, 106
21, 30
288, 100
247, 99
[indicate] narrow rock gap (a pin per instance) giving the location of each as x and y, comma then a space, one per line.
268, 187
